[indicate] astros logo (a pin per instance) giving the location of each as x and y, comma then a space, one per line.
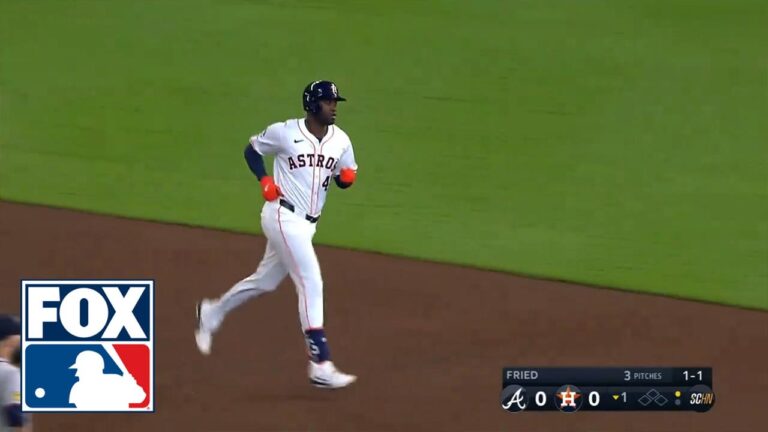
87, 346
570, 396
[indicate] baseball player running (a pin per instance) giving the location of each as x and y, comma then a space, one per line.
309, 153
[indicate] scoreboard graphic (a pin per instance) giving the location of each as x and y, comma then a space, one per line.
572, 389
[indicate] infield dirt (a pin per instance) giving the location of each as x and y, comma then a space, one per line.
427, 340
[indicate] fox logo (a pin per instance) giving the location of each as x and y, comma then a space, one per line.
87, 346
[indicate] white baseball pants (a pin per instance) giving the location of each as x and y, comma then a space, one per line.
289, 251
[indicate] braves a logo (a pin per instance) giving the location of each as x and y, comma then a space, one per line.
514, 398
87, 346
517, 399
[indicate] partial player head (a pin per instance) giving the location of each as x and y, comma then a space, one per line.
10, 331
320, 99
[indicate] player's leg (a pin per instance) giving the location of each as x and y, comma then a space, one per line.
270, 272
299, 257
211, 313
266, 278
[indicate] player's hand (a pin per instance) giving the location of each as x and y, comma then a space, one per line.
269, 190
347, 175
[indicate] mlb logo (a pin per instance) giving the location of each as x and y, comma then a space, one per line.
87, 346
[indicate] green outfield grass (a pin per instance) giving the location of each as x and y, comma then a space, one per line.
620, 143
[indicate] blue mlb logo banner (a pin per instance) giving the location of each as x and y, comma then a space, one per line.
88, 345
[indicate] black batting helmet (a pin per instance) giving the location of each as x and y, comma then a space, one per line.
9, 326
316, 91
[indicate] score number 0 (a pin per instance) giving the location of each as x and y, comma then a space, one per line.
593, 398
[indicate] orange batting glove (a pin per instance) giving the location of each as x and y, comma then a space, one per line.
269, 190
347, 175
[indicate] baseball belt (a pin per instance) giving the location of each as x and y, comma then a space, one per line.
291, 207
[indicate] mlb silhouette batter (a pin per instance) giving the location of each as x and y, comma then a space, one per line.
98, 391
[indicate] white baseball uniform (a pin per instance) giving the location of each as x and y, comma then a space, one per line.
10, 384
304, 168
